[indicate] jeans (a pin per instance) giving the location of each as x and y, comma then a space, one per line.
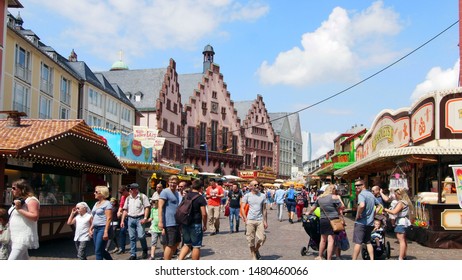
280, 210
81, 247
193, 235
100, 244
136, 230
123, 236
233, 214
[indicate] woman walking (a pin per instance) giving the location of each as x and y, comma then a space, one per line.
24, 214
331, 208
401, 211
101, 225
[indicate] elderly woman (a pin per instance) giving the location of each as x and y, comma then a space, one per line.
24, 214
331, 208
101, 225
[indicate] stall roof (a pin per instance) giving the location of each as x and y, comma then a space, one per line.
386, 158
70, 144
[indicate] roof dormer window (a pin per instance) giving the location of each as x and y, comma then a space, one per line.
128, 95
138, 96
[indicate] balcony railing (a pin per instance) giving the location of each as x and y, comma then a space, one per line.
46, 87
22, 73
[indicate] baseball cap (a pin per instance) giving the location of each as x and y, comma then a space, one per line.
133, 186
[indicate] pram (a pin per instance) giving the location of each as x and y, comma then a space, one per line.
382, 250
311, 225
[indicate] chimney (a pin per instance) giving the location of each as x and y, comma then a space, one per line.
14, 118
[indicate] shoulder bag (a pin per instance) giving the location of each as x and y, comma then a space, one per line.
337, 224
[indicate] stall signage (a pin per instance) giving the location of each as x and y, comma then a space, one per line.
263, 175
20, 162
451, 219
422, 122
247, 174
384, 133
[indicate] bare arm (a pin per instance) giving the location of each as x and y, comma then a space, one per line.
32, 212
397, 209
161, 210
204, 218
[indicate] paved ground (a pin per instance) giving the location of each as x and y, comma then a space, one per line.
284, 242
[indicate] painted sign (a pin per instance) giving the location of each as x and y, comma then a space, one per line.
457, 170
423, 122
145, 135
247, 174
454, 115
451, 219
159, 143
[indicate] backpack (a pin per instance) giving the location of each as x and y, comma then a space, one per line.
183, 212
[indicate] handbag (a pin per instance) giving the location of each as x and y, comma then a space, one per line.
336, 224
226, 211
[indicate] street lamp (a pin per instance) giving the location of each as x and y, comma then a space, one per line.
203, 146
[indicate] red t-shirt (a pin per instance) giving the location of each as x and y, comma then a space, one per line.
214, 193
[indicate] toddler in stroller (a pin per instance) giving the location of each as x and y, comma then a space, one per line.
311, 226
381, 248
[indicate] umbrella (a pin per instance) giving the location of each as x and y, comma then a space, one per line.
231, 177
208, 174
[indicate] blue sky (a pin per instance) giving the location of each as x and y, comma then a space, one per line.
293, 53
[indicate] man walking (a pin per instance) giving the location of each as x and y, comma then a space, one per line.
234, 203
256, 219
214, 194
290, 203
279, 200
168, 203
193, 233
123, 191
137, 209
364, 222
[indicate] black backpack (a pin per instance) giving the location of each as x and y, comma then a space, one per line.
183, 212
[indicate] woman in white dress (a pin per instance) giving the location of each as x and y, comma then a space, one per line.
24, 214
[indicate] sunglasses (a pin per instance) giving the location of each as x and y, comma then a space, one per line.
14, 188
359, 185
97, 192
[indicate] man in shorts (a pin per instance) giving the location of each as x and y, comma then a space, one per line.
193, 233
364, 222
256, 221
168, 203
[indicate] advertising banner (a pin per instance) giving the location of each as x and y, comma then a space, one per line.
457, 169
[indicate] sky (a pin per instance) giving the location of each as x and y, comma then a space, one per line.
294, 53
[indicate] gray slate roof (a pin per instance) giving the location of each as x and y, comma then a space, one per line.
277, 121
146, 81
243, 108
188, 84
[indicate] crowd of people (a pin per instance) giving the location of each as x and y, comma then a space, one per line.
110, 221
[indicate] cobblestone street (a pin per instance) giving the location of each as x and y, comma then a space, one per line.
284, 242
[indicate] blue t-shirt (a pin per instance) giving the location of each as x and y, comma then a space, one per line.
291, 194
367, 216
279, 196
171, 202
98, 213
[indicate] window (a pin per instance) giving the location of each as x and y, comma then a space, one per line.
235, 144
22, 61
46, 79
126, 115
44, 107
175, 108
94, 120
178, 130
112, 107
168, 104
214, 94
165, 125
64, 113
203, 132
65, 94
172, 128
95, 98
214, 135
191, 134
224, 137
21, 99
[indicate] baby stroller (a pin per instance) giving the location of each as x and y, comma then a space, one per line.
311, 226
382, 250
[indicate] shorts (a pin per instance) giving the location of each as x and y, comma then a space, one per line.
192, 235
155, 237
400, 229
362, 234
325, 227
171, 237
290, 205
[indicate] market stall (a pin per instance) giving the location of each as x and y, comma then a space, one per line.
62, 159
418, 144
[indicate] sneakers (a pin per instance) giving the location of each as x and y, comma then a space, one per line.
120, 251
144, 255
318, 258
114, 251
257, 254
132, 257
291, 221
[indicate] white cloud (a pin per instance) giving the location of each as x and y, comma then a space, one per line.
336, 49
108, 26
437, 79
322, 143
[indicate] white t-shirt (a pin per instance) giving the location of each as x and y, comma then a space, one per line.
82, 225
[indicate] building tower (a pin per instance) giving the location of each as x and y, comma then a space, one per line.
208, 57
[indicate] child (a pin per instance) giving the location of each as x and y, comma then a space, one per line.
154, 230
377, 234
392, 217
4, 235
81, 218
